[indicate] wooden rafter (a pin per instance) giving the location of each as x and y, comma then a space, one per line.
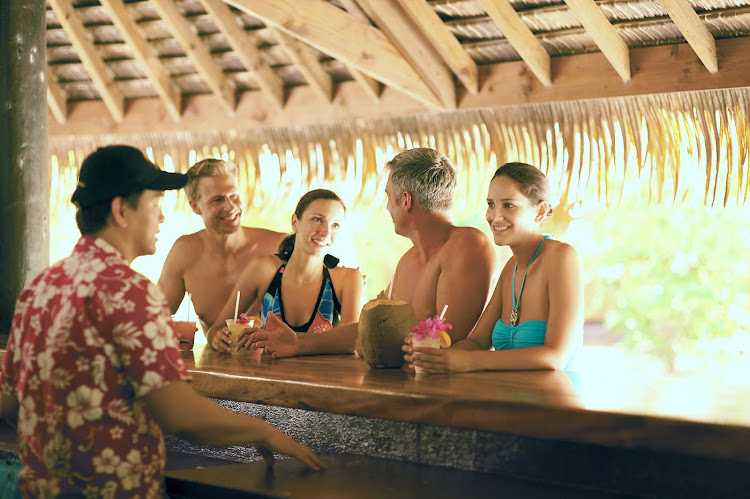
604, 35
245, 49
454, 55
370, 85
308, 64
210, 71
662, 69
167, 90
100, 75
520, 38
415, 47
344, 37
694, 31
56, 98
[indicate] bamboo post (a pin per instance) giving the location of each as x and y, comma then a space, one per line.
24, 164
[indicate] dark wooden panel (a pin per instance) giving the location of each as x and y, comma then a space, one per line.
358, 477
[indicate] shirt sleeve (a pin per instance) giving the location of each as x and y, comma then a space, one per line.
144, 339
8, 375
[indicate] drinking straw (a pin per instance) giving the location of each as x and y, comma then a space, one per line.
390, 287
442, 314
190, 304
237, 306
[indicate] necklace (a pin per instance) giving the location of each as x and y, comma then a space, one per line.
517, 300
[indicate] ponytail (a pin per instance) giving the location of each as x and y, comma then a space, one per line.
286, 247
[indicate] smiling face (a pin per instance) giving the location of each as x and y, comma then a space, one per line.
316, 229
219, 203
510, 213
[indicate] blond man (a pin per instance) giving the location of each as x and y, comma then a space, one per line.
207, 263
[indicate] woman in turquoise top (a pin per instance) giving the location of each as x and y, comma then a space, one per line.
534, 319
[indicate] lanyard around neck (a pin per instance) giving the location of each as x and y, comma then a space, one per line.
517, 300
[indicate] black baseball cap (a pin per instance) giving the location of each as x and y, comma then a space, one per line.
120, 170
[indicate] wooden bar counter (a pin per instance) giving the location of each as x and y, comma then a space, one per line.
610, 408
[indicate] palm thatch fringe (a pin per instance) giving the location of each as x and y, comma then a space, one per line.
681, 148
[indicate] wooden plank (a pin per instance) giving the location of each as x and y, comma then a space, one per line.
414, 45
604, 35
343, 37
148, 58
102, 78
246, 50
308, 64
663, 69
694, 31
619, 410
370, 85
183, 31
452, 52
520, 38
56, 98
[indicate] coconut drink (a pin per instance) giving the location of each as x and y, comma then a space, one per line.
383, 325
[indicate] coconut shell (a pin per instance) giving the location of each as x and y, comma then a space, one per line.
383, 325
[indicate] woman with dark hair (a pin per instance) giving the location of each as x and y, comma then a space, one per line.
534, 319
295, 286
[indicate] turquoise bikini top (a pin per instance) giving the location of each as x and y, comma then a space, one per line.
525, 334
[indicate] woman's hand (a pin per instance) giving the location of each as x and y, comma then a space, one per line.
222, 341
243, 339
278, 340
438, 360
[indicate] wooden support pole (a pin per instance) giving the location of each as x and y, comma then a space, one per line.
24, 162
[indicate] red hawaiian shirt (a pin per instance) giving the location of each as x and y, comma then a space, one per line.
90, 337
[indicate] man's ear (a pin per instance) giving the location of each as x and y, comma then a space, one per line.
117, 211
407, 199
194, 207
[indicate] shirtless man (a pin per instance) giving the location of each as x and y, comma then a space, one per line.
207, 263
447, 265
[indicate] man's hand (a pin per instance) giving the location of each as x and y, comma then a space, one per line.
276, 441
277, 340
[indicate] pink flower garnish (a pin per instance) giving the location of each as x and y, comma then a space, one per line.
429, 327
243, 319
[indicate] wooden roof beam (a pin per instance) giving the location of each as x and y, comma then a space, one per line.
450, 49
520, 38
604, 35
308, 64
694, 31
102, 78
344, 37
56, 98
371, 86
246, 50
404, 33
183, 31
168, 91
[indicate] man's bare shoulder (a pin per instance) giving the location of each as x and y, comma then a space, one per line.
467, 239
256, 233
188, 245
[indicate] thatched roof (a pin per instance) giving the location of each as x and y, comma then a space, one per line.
279, 62
588, 91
